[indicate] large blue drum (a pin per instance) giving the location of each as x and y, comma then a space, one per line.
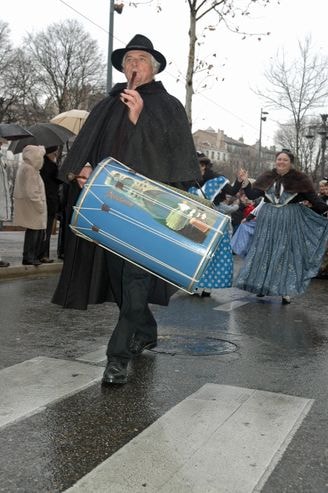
167, 233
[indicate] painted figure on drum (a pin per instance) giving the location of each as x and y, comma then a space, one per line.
180, 215
144, 127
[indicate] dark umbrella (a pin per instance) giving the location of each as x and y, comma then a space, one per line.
46, 134
13, 131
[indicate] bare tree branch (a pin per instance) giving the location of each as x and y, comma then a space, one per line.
297, 86
69, 64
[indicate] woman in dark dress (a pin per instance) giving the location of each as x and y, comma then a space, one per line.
290, 238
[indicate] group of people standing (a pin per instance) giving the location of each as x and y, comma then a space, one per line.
287, 237
36, 201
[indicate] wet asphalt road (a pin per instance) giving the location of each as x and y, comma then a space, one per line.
232, 338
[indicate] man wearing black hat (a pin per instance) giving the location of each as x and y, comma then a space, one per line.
146, 128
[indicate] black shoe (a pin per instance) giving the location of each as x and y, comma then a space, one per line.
46, 260
205, 294
4, 264
138, 346
285, 300
116, 372
33, 262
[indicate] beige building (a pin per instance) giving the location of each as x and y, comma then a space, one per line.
228, 155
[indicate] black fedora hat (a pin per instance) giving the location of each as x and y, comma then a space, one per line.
138, 42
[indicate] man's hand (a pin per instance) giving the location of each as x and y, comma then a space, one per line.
84, 175
134, 102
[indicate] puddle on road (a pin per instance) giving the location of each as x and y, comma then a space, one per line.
205, 346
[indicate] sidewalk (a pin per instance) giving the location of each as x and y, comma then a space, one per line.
11, 249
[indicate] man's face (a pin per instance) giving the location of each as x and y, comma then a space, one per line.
139, 62
53, 156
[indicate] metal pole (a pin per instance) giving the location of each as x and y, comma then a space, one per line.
110, 46
260, 141
262, 119
323, 134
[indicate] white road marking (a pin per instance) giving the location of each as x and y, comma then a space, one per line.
27, 387
232, 305
229, 298
220, 439
94, 356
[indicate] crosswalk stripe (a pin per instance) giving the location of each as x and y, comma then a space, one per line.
27, 387
94, 356
220, 439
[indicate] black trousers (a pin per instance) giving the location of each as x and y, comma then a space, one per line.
32, 243
135, 318
61, 235
44, 251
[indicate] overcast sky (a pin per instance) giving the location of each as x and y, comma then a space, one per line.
228, 104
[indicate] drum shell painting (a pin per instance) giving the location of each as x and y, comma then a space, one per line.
161, 229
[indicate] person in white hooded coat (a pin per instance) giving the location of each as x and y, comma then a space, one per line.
30, 206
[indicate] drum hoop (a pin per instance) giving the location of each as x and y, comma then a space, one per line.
182, 193
188, 290
198, 271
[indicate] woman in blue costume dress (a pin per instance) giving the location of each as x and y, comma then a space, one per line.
290, 238
213, 187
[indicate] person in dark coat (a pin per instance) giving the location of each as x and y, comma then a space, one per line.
144, 127
208, 174
49, 175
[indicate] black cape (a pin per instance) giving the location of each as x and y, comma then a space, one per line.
160, 147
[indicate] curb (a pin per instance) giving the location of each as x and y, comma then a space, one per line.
18, 271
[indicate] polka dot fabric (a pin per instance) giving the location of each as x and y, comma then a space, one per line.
219, 272
211, 188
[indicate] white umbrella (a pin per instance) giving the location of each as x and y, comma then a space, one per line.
72, 119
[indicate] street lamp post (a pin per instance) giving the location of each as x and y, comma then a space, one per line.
262, 119
113, 7
323, 132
